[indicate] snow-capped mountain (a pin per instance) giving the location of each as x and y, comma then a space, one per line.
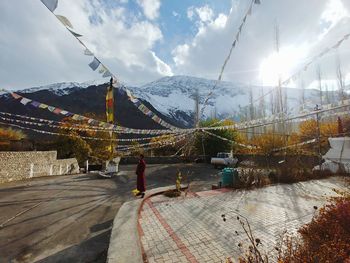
64, 88
174, 97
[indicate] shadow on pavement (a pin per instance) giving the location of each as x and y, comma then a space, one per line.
90, 250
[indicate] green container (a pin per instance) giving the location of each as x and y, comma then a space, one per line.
229, 176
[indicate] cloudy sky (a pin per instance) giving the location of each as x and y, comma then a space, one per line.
143, 40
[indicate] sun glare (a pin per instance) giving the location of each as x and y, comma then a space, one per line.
280, 65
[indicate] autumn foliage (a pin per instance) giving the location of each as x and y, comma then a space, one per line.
273, 142
308, 130
71, 144
7, 134
325, 239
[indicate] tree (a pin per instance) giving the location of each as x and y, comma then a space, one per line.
206, 144
8, 134
137, 149
73, 147
268, 142
308, 131
341, 81
100, 149
163, 145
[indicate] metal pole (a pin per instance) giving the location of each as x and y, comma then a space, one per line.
203, 145
318, 135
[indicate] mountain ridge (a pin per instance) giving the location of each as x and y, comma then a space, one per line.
172, 98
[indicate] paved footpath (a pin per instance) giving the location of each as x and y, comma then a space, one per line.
192, 229
69, 218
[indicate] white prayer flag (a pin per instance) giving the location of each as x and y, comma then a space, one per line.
50, 4
25, 101
87, 52
107, 74
102, 69
64, 20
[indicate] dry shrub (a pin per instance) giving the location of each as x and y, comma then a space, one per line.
172, 193
325, 239
252, 177
295, 170
291, 174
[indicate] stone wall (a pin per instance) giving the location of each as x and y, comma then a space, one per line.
259, 160
16, 166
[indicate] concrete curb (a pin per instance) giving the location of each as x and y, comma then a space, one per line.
125, 243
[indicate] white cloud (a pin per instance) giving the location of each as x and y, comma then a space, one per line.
180, 54
34, 52
220, 21
205, 13
190, 12
333, 13
44, 53
162, 67
150, 8
204, 54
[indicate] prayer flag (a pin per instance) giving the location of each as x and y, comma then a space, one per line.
94, 64
43, 106
35, 104
74, 33
57, 111
137, 103
15, 95
50, 4
110, 103
87, 52
102, 69
107, 74
25, 101
64, 20
50, 108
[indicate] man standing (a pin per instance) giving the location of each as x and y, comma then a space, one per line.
140, 172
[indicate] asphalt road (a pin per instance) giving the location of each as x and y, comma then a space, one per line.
69, 218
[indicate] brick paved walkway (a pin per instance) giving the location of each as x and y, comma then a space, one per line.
192, 229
